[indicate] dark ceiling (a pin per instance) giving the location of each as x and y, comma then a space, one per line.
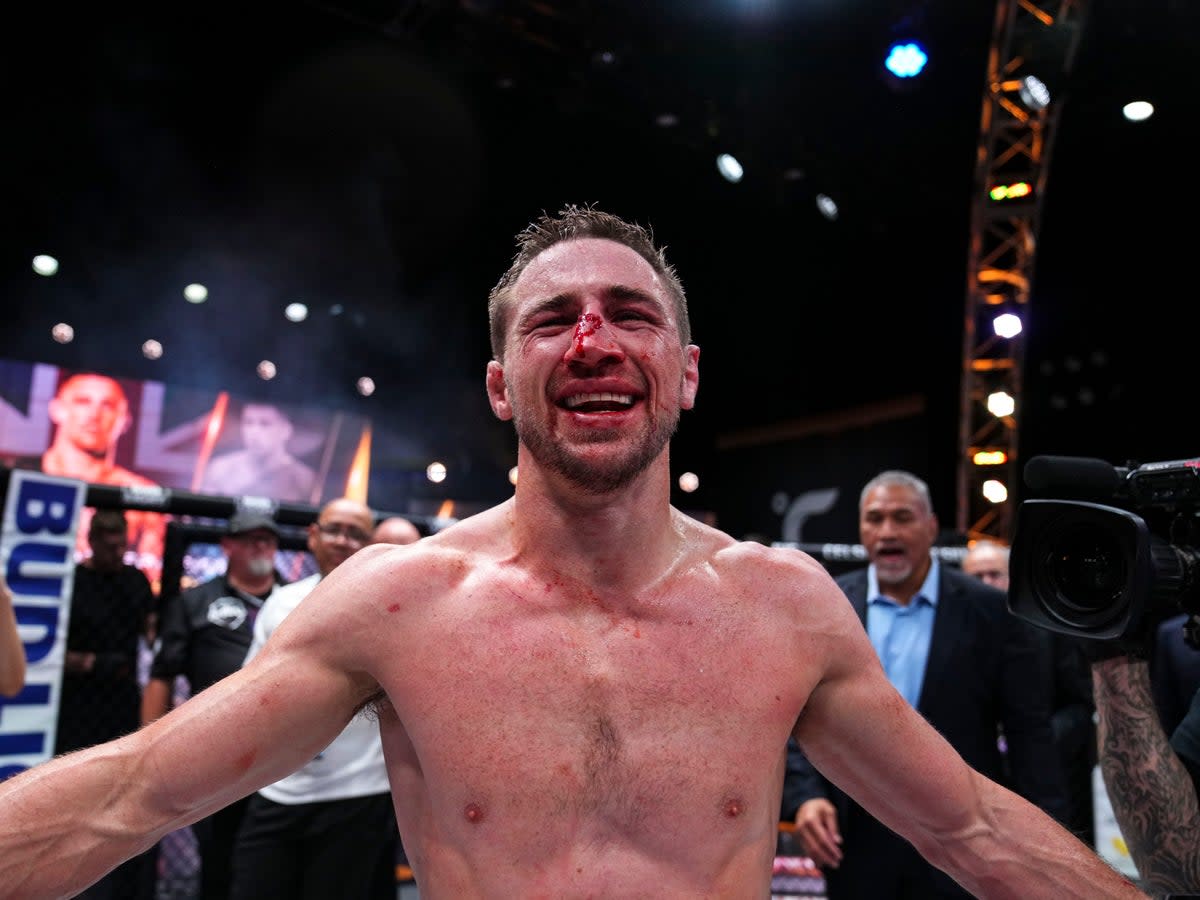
377, 158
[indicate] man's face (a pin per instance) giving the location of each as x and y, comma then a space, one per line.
265, 430
593, 377
989, 565
90, 412
108, 550
250, 555
342, 528
897, 531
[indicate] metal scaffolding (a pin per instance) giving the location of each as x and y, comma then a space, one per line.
1032, 50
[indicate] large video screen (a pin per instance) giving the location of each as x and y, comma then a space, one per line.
126, 432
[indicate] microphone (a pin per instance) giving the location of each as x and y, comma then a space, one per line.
1082, 476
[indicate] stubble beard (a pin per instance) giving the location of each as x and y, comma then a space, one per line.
589, 475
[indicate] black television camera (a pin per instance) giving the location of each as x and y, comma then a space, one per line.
1122, 548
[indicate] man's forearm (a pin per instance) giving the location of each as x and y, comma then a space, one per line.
1150, 790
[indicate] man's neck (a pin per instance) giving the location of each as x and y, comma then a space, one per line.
64, 458
622, 539
254, 586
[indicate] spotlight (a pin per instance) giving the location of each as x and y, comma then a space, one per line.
296, 312
1001, 404
827, 207
45, 265
1007, 325
730, 169
512, 476
995, 491
436, 472
906, 60
989, 458
152, 349
1138, 110
366, 386
688, 482
63, 333
1034, 93
266, 370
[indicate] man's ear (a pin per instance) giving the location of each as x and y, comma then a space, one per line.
497, 391
55, 411
691, 376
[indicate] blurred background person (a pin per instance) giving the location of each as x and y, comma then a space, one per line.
264, 466
1174, 672
950, 647
12, 650
395, 530
204, 634
90, 413
101, 696
329, 829
1072, 706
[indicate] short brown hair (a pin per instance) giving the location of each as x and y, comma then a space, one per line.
573, 223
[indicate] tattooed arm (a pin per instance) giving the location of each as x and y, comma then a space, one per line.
1151, 790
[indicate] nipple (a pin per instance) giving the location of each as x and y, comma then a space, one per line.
733, 807
588, 324
474, 813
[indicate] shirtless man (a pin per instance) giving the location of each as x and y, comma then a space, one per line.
90, 413
582, 692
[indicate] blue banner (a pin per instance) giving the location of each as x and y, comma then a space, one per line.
37, 552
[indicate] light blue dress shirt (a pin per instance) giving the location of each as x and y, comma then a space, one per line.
901, 634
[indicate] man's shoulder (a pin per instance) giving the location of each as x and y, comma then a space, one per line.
293, 592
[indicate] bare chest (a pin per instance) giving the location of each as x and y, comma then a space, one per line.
596, 714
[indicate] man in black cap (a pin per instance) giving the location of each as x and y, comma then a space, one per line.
205, 634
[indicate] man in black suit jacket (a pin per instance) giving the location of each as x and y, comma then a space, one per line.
976, 672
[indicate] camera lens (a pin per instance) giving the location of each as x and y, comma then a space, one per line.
1087, 569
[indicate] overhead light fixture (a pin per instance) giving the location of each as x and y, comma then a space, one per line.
266, 370
730, 169
1034, 93
44, 264
366, 386
827, 207
195, 293
152, 349
989, 457
1007, 325
63, 333
1001, 404
296, 312
906, 60
995, 491
689, 482
436, 472
1138, 110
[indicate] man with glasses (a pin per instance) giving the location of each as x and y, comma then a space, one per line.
205, 634
328, 829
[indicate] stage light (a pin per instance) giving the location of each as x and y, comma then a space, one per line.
152, 349
195, 293
688, 482
512, 476
1034, 93
296, 312
730, 169
989, 458
45, 264
436, 472
906, 60
266, 370
366, 386
994, 491
63, 333
827, 207
666, 120
1013, 191
1138, 110
1001, 404
1007, 325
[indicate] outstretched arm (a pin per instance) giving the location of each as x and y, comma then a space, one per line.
862, 735
1152, 794
12, 651
65, 823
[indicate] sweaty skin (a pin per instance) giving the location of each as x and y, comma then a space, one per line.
581, 692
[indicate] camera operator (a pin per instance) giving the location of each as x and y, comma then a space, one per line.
1152, 782
1111, 564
